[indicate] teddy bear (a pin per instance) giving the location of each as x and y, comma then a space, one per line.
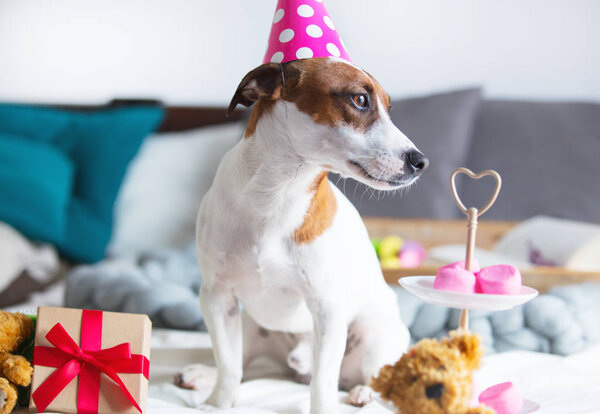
434, 377
15, 370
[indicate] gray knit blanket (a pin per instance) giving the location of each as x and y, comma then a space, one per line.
164, 285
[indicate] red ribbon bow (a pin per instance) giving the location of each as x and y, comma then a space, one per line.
87, 361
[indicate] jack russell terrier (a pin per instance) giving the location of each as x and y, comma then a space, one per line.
276, 237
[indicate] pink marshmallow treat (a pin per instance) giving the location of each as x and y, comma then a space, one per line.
461, 265
455, 278
504, 398
499, 280
303, 29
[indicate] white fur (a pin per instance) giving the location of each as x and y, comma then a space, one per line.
331, 287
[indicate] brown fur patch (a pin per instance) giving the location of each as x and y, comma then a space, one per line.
383, 96
319, 87
321, 211
324, 91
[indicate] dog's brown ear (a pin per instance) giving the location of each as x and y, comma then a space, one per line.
261, 82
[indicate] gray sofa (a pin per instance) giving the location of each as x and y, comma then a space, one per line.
548, 154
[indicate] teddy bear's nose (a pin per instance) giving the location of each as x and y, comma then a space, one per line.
433, 392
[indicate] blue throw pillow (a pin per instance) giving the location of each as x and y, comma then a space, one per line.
100, 146
32, 122
35, 187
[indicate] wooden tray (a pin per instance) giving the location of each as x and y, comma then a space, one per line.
437, 232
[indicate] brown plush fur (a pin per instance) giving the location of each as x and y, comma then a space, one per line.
441, 369
15, 328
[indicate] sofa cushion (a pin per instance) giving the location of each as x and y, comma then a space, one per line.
35, 184
191, 159
441, 127
548, 155
100, 146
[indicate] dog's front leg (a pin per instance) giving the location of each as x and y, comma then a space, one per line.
222, 317
329, 341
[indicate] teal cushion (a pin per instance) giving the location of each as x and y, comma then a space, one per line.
100, 145
32, 122
35, 187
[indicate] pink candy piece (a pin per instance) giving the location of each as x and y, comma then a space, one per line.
496, 280
461, 265
499, 280
412, 254
504, 398
455, 278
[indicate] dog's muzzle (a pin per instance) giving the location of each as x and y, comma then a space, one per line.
393, 169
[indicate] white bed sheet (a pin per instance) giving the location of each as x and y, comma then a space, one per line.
561, 385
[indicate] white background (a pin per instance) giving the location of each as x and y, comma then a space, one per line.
196, 51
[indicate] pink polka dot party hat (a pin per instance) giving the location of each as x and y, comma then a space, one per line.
303, 29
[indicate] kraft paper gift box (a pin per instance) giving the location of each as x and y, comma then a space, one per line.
90, 361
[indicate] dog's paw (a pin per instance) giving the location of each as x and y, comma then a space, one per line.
222, 397
359, 396
300, 358
196, 377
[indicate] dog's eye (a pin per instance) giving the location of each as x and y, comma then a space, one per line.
360, 101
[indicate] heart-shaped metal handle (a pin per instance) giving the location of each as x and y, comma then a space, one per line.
474, 176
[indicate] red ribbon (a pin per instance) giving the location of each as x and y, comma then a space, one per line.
87, 361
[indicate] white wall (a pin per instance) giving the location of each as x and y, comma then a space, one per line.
196, 51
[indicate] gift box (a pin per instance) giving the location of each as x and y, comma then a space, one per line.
87, 361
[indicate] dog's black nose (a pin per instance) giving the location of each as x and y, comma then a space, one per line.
417, 161
433, 392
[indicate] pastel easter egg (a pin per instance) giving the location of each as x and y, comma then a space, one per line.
390, 246
412, 254
390, 262
376, 244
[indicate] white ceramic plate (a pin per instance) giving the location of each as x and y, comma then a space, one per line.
422, 287
529, 407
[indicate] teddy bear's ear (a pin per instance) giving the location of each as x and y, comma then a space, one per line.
469, 345
16, 328
384, 381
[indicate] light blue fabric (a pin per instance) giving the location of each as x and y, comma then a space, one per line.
35, 187
164, 285
564, 321
100, 146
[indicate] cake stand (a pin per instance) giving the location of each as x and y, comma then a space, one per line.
422, 286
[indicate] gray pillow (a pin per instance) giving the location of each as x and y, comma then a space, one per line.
440, 125
548, 155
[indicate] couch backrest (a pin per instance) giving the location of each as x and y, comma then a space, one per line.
548, 154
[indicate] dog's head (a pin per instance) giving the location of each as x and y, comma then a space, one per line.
337, 117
